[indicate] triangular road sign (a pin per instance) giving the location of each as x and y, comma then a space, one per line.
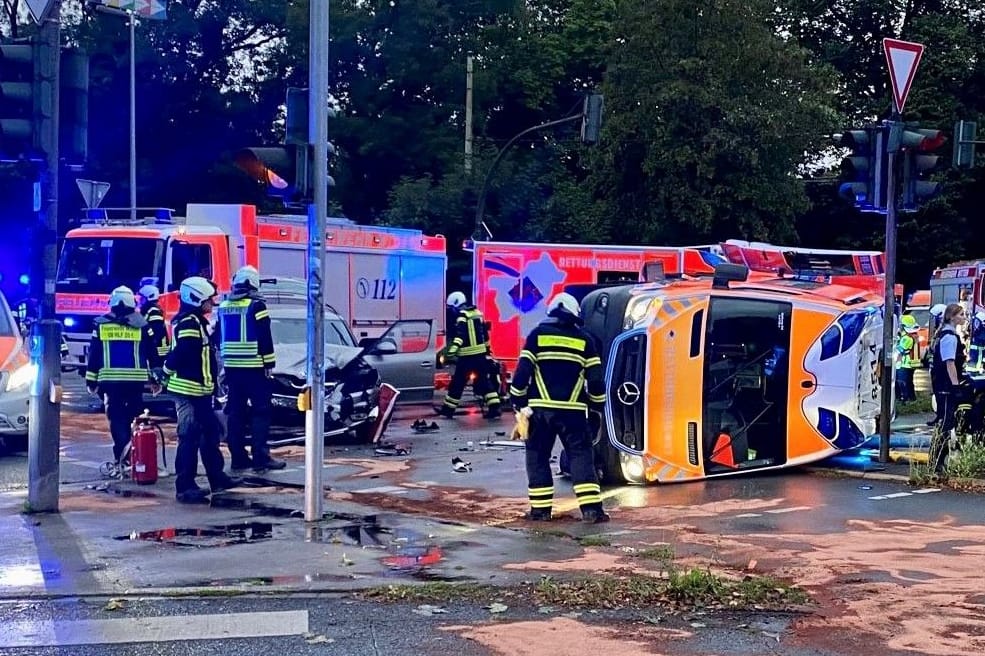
92, 191
39, 9
903, 58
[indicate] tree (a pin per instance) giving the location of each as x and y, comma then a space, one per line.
709, 112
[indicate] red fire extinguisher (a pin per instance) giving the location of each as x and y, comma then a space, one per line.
143, 456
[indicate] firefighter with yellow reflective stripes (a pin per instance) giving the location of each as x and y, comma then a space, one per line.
469, 348
559, 377
190, 370
122, 354
246, 346
154, 315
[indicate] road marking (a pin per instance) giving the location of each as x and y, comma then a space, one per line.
383, 489
927, 490
748, 515
153, 629
780, 511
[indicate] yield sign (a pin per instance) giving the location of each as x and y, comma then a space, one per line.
903, 58
93, 191
39, 9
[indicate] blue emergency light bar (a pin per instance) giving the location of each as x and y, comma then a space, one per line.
121, 216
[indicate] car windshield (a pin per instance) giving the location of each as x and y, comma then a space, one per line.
294, 330
97, 266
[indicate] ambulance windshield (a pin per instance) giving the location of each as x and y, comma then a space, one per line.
95, 265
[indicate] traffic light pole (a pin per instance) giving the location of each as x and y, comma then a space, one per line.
45, 400
314, 434
889, 315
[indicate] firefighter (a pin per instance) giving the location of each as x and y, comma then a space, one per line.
559, 377
154, 315
976, 346
469, 348
247, 350
122, 355
947, 375
906, 348
190, 370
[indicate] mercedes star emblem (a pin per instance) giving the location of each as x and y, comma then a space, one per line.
628, 393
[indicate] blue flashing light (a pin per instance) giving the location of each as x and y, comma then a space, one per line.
24, 279
69, 322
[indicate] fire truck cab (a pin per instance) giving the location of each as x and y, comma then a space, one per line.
957, 282
374, 276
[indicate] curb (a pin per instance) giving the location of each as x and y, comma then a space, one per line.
850, 473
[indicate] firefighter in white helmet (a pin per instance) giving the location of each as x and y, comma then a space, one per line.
122, 356
191, 368
152, 312
562, 359
246, 346
469, 348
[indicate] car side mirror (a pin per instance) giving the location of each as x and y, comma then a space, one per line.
385, 347
367, 342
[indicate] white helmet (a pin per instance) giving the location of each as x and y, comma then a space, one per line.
247, 276
456, 300
150, 293
938, 310
122, 295
196, 290
564, 303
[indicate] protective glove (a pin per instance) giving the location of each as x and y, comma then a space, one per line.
92, 388
521, 430
595, 426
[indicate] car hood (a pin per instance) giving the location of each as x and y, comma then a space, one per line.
292, 359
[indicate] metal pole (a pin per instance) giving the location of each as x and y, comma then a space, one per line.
133, 121
44, 429
889, 325
314, 435
468, 114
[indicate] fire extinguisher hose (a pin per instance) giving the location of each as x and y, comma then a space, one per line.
164, 457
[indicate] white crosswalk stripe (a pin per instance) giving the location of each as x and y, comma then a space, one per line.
153, 629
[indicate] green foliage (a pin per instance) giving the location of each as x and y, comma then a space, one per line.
969, 462
709, 112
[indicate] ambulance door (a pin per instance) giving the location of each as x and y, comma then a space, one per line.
505, 299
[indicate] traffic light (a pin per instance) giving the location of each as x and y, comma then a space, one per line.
964, 144
918, 165
865, 170
73, 107
287, 170
591, 118
17, 111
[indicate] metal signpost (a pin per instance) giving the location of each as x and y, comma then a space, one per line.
902, 57
314, 434
44, 421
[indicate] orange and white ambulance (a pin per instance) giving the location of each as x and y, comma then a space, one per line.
513, 282
374, 275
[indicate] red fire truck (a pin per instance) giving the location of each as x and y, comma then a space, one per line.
514, 282
957, 282
374, 275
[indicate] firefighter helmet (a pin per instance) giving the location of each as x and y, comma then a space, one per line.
122, 295
909, 323
247, 277
456, 300
196, 290
150, 293
564, 304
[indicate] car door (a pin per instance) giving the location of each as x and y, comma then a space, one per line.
405, 357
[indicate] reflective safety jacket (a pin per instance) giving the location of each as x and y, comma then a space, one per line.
561, 361
122, 350
939, 379
155, 318
243, 333
906, 346
471, 336
191, 364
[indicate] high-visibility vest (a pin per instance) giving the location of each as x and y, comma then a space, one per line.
240, 346
121, 354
